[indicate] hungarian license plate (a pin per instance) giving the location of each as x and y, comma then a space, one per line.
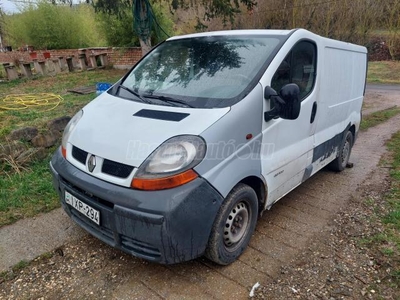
86, 210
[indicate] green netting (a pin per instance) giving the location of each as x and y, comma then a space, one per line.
143, 19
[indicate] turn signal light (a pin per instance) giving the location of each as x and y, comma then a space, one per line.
154, 184
64, 152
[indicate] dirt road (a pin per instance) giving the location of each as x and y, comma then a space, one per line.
89, 269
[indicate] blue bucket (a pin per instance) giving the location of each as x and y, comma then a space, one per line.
102, 87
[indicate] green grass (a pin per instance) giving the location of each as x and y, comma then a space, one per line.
384, 72
11, 274
3, 74
378, 117
17, 268
29, 192
389, 241
392, 219
13, 119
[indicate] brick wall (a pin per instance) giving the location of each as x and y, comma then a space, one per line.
118, 57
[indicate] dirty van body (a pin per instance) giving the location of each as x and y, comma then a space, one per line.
180, 157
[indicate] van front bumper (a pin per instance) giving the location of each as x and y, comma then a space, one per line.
167, 226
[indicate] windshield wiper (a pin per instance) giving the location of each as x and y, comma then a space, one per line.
133, 92
168, 99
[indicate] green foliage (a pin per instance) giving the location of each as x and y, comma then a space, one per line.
227, 10
378, 117
164, 26
118, 31
118, 27
54, 27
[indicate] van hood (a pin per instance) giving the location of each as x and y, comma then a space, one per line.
128, 132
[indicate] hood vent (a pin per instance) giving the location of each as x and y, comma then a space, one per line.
161, 115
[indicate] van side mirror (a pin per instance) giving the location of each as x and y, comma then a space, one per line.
286, 105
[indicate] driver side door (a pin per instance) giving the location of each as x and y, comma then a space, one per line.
287, 144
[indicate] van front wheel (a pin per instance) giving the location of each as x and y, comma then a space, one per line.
340, 163
233, 226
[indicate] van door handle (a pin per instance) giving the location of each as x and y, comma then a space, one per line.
313, 112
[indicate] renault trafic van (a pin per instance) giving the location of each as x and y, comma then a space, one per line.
180, 157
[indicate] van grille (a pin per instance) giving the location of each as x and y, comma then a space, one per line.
109, 167
116, 169
79, 154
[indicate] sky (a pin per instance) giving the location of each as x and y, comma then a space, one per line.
8, 6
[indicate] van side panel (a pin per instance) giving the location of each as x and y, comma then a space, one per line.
231, 156
340, 100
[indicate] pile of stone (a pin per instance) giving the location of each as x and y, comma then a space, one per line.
27, 144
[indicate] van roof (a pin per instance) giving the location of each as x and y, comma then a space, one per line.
233, 32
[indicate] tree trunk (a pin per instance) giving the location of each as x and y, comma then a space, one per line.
145, 45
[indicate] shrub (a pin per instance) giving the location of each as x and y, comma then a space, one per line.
48, 26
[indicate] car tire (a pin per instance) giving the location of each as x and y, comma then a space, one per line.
233, 226
341, 161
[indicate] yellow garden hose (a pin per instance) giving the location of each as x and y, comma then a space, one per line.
24, 101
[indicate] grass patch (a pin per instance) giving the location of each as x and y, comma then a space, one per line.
13, 119
389, 241
30, 191
378, 117
10, 275
384, 72
27, 194
19, 266
3, 73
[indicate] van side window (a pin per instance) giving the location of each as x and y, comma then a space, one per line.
298, 67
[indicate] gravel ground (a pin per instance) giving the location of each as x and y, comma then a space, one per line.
337, 265
309, 246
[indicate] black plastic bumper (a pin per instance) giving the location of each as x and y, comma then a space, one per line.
167, 226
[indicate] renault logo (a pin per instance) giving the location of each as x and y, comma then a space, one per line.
91, 163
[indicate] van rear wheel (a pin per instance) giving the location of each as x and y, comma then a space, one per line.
340, 163
233, 226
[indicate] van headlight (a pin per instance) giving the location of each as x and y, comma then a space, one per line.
68, 130
171, 164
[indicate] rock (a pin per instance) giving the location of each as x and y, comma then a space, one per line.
46, 140
26, 133
58, 124
31, 155
12, 149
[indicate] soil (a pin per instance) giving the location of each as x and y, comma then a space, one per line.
308, 246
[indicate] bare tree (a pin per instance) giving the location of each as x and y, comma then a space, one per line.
393, 26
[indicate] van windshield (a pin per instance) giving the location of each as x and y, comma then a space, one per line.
203, 72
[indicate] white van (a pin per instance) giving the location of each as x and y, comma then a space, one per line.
179, 158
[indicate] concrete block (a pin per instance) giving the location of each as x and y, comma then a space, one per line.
11, 71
